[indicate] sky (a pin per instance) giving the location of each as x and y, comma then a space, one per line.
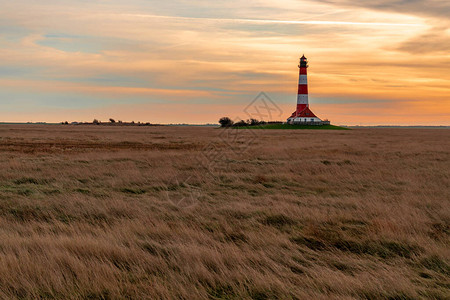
371, 62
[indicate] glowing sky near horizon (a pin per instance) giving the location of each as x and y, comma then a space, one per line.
371, 62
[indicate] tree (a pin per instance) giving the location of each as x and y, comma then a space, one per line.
112, 120
225, 122
96, 122
241, 123
254, 122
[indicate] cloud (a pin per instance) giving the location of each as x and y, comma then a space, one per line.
436, 40
435, 8
268, 21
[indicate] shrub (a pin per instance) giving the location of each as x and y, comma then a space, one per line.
225, 122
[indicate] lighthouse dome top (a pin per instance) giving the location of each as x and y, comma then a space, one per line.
303, 57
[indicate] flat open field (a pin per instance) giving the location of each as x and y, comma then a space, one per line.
92, 212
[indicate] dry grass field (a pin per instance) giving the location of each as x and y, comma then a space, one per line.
92, 212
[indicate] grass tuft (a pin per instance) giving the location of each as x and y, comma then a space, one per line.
435, 263
28, 180
134, 191
278, 221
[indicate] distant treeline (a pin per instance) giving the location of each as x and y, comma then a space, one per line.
111, 122
227, 122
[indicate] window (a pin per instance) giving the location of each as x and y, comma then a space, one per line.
312, 120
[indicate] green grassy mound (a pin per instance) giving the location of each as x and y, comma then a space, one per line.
288, 126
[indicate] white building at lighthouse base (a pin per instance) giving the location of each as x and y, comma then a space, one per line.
306, 117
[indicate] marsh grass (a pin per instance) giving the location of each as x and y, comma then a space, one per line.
96, 213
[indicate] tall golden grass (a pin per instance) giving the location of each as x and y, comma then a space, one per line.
153, 213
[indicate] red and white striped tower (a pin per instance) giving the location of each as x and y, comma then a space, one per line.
302, 95
303, 114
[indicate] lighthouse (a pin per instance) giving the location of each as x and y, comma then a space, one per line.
303, 114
